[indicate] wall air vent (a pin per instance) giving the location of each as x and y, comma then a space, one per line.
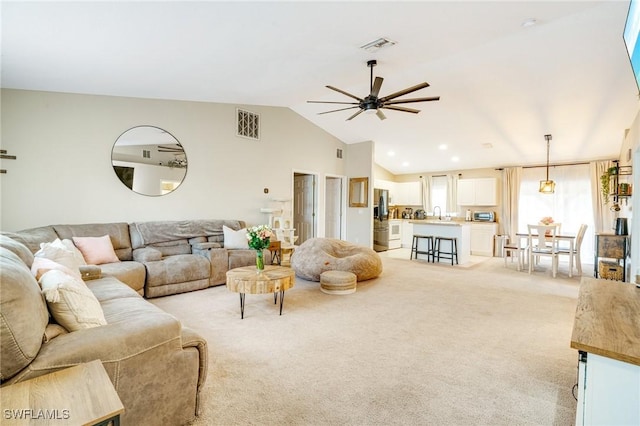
248, 125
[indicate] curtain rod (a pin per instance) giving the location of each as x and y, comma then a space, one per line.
556, 165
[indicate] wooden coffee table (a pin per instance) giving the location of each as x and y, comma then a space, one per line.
274, 279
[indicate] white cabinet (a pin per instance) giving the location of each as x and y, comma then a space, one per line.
408, 194
383, 184
477, 192
608, 391
482, 238
407, 233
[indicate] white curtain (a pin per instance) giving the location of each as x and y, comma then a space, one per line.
510, 195
571, 205
602, 216
426, 193
452, 194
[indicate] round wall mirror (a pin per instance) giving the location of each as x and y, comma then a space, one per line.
149, 160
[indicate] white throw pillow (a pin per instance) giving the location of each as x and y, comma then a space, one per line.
62, 252
235, 239
70, 301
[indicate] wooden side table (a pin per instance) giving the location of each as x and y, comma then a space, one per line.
274, 279
610, 246
80, 395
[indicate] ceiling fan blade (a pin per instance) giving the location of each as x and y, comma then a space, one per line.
336, 110
171, 148
329, 102
381, 115
406, 101
344, 93
375, 89
397, 108
405, 91
354, 115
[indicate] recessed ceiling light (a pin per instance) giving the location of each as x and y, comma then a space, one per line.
455, 159
442, 147
487, 145
391, 153
405, 164
530, 22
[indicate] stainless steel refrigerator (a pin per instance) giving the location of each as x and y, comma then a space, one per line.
380, 219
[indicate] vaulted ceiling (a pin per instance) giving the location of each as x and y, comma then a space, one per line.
502, 85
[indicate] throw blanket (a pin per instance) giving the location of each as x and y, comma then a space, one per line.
162, 231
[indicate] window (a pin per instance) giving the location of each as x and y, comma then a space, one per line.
439, 192
570, 205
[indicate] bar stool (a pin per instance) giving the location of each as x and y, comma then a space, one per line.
452, 254
414, 247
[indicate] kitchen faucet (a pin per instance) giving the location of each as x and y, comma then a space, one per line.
439, 212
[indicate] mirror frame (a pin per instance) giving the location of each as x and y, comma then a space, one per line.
165, 141
359, 192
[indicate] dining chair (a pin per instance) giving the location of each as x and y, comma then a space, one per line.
575, 252
542, 241
513, 249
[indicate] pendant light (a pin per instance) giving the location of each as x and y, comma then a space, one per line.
547, 186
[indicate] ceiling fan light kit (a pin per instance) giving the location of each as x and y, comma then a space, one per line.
547, 186
373, 103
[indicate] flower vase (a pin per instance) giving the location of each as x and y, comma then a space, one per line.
259, 261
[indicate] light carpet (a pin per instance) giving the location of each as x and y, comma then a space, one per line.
422, 344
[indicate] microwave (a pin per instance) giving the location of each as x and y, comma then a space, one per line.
484, 216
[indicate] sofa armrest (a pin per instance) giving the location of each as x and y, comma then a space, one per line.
90, 272
146, 254
191, 339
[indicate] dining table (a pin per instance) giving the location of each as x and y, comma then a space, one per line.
569, 237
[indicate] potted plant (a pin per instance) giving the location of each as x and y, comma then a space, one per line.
605, 184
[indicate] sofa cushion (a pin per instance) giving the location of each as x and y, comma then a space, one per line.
182, 268
23, 315
129, 272
96, 250
70, 301
153, 232
17, 248
33, 237
118, 233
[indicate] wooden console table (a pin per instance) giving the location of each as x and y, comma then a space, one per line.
80, 395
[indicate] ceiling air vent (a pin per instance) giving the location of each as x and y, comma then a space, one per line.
378, 44
248, 125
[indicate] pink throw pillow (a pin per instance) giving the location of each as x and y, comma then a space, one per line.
96, 250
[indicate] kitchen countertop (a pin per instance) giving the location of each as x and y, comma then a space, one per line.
607, 321
437, 222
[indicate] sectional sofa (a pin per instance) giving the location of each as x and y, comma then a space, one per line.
156, 365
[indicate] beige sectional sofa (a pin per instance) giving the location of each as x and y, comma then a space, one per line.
156, 365
157, 258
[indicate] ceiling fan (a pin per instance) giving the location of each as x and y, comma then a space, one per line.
373, 103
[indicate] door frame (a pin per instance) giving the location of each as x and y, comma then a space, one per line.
317, 211
343, 203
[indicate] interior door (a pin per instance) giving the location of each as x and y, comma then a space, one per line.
304, 212
333, 207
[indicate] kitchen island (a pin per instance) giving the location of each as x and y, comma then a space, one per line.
444, 228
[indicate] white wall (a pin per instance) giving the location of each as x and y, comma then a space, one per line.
360, 219
63, 172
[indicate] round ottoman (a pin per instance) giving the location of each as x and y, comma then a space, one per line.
338, 282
